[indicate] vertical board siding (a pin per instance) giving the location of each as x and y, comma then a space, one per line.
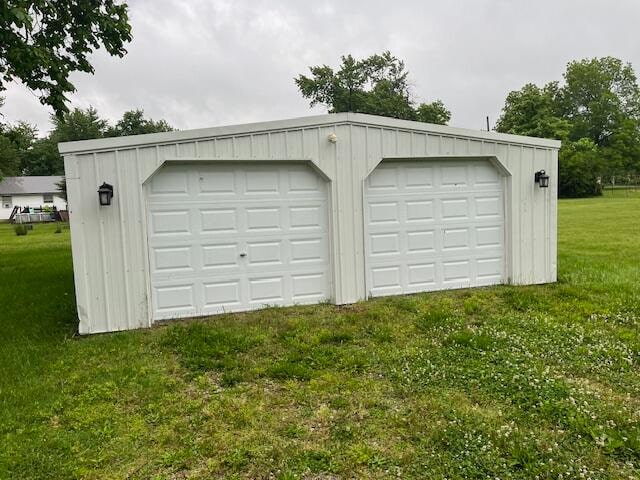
224, 148
242, 148
553, 217
109, 244
259, 146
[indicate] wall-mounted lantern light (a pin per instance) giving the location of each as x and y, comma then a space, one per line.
105, 194
542, 179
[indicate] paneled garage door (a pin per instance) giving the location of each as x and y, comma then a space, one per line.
433, 225
233, 237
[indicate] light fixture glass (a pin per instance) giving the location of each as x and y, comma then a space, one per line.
105, 194
542, 179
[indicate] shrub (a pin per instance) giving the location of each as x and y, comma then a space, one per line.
20, 229
580, 166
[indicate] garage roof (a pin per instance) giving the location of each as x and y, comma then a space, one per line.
302, 122
29, 185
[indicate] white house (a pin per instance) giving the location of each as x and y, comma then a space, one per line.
338, 207
32, 192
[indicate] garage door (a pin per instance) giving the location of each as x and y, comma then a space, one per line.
433, 225
233, 237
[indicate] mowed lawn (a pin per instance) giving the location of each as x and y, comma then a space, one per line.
505, 382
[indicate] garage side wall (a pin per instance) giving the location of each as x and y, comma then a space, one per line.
109, 244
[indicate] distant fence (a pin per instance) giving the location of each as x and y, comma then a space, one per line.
33, 217
620, 184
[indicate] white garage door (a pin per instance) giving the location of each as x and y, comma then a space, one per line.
233, 237
433, 225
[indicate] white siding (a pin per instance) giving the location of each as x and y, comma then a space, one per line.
109, 243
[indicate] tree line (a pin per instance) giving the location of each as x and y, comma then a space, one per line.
22, 152
595, 111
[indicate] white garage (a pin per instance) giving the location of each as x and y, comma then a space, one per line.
336, 208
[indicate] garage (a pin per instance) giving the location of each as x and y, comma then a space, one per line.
433, 225
225, 237
332, 208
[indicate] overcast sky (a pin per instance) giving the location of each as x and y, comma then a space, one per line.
202, 63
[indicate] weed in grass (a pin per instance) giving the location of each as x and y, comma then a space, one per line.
314, 461
433, 318
472, 306
289, 370
404, 303
381, 333
524, 298
467, 338
204, 347
20, 229
335, 337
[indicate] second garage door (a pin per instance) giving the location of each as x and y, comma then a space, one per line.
233, 237
433, 225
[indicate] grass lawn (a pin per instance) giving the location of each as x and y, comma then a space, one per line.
504, 382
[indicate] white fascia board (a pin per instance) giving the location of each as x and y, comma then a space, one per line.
132, 141
452, 131
179, 136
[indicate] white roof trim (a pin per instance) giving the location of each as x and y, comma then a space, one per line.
133, 141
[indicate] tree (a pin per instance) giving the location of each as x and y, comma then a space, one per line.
376, 85
621, 154
434, 112
534, 112
78, 124
134, 123
9, 158
22, 134
580, 168
15, 143
595, 112
43, 157
598, 96
43, 42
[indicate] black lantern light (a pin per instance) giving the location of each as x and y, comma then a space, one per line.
105, 194
542, 179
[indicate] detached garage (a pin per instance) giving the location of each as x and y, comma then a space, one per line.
337, 208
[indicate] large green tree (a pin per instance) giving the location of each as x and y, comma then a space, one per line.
78, 124
9, 158
376, 85
15, 142
43, 41
595, 112
133, 122
434, 112
598, 96
533, 111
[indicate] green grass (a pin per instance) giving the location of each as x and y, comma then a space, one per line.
505, 382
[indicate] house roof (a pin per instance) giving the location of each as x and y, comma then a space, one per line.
302, 122
29, 185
